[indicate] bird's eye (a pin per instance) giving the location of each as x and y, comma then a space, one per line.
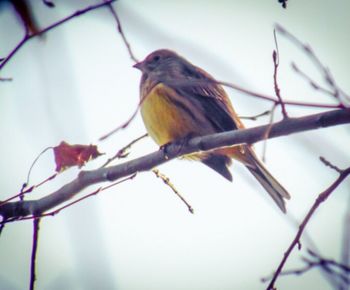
156, 58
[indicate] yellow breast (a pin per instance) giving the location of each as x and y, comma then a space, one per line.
164, 116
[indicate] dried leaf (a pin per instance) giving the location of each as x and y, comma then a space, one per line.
67, 155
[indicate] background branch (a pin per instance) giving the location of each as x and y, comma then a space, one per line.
28, 37
336, 270
320, 199
120, 30
36, 222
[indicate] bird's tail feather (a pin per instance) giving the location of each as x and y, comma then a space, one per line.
271, 185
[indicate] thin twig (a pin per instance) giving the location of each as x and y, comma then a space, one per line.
36, 222
121, 32
27, 190
6, 59
33, 163
57, 211
125, 124
254, 118
306, 236
330, 165
298, 271
26, 38
166, 180
330, 266
267, 133
343, 267
247, 92
338, 93
320, 199
122, 153
276, 62
286, 102
312, 83
122, 126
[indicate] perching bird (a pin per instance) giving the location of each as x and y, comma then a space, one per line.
179, 100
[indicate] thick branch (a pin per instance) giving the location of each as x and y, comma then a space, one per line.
87, 178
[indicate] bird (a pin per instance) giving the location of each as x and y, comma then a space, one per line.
179, 100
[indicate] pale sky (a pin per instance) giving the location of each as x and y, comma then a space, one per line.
78, 83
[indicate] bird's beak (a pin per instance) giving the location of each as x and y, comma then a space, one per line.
139, 65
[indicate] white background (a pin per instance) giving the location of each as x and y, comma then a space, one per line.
78, 83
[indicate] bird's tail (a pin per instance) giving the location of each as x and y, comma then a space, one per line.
271, 185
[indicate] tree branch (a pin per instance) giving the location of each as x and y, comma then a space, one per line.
276, 63
320, 199
36, 222
121, 32
28, 37
86, 178
334, 269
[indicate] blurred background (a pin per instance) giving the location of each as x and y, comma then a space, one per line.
77, 83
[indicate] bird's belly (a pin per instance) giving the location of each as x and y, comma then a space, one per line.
164, 118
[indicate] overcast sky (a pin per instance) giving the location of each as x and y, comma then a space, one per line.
78, 83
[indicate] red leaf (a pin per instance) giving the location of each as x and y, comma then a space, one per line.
73, 155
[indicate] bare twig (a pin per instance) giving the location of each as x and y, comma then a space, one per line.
57, 211
320, 199
267, 133
331, 279
255, 117
25, 190
35, 160
333, 268
166, 181
312, 83
125, 124
343, 267
276, 62
36, 222
121, 32
249, 136
122, 153
28, 37
286, 102
338, 93
330, 165
6, 59
122, 126
255, 94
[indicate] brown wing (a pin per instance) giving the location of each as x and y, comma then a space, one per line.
196, 84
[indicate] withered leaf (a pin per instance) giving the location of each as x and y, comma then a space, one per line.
67, 155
